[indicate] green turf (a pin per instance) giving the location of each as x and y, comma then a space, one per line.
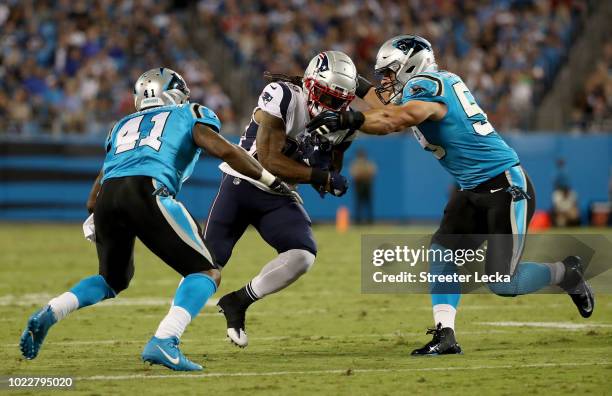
320, 336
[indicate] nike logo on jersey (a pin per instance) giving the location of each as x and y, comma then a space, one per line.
170, 358
273, 86
496, 190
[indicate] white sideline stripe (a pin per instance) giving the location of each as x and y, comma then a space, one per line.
549, 325
332, 371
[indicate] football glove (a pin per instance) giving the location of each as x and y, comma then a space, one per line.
338, 184
280, 187
329, 121
89, 229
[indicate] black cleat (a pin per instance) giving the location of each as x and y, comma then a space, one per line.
235, 315
443, 343
577, 287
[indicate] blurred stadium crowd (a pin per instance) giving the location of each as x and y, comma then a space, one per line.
68, 66
593, 107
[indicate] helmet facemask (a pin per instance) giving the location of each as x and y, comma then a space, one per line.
329, 82
321, 97
389, 91
398, 60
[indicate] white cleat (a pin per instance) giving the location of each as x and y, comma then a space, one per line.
238, 337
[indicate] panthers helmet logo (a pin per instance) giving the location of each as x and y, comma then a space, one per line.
416, 44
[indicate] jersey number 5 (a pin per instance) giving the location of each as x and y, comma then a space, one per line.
129, 134
481, 127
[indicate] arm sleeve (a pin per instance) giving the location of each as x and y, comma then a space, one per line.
206, 116
426, 88
275, 99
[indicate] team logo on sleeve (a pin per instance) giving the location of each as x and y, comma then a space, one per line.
415, 89
266, 97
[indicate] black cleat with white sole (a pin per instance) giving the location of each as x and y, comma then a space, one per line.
577, 287
235, 315
443, 343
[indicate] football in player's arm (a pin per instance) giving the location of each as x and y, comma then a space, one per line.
276, 136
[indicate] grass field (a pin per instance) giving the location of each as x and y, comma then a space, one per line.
320, 336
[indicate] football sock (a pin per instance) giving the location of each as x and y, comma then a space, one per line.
63, 304
87, 292
246, 296
528, 278
444, 295
445, 315
557, 272
191, 295
174, 324
279, 273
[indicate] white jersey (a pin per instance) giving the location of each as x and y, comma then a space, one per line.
288, 102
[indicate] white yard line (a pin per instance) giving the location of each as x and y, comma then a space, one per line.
27, 300
550, 325
269, 338
331, 371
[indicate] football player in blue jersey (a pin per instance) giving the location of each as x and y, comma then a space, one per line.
495, 200
149, 154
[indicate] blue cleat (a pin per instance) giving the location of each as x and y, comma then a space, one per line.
165, 351
36, 331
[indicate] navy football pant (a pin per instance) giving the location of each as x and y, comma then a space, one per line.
282, 222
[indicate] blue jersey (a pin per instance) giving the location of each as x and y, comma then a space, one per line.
466, 144
157, 142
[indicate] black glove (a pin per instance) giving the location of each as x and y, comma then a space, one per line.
280, 187
283, 188
337, 184
329, 121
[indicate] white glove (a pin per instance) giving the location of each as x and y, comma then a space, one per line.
89, 229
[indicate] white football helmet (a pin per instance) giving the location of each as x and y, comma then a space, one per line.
330, 81
160, 87
399, 59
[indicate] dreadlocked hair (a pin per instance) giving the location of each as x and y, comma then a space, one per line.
274, 77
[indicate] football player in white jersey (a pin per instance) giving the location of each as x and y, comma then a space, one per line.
277, 138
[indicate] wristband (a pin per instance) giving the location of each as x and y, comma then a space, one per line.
266, 178
319, 177
363, 86
354, 119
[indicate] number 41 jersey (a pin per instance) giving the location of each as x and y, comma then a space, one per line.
466, 144
157, 142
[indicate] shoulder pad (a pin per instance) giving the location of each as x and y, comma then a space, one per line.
275, 99
425, 87
204, 115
